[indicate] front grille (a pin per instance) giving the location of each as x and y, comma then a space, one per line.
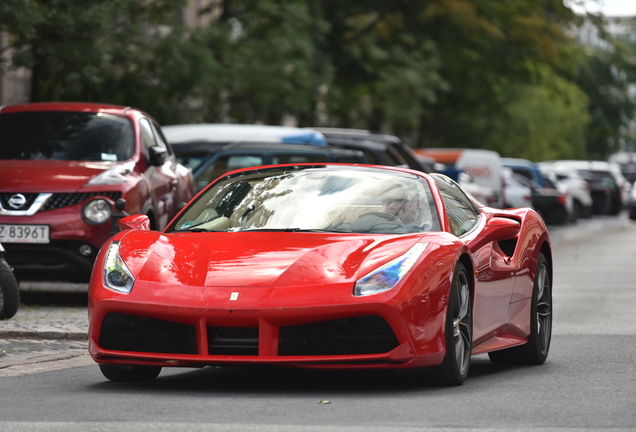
233, 340
122, 332
30, 199
351, 336
59, 200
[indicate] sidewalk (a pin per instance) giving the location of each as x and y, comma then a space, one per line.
71, 323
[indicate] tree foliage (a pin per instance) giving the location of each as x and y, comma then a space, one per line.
504, 75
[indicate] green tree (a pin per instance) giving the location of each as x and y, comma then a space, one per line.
607, 76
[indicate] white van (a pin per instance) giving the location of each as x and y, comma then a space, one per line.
483, 166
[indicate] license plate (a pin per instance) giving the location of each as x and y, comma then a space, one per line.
24, 233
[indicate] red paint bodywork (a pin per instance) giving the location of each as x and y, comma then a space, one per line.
157, 191
286, 278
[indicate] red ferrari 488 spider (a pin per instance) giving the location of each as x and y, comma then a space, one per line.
324, 266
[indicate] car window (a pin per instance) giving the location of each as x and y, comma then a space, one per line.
159, 138
147, 136
462, 213
225, 163
297, 158
66, 135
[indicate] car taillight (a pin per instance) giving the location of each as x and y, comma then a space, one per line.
562, 198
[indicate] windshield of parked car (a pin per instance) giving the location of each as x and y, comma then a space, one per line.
314, 198
66, 135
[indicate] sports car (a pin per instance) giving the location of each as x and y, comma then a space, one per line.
329, 266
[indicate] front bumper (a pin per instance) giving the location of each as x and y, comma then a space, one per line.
188, 333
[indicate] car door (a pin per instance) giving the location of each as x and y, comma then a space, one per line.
160, 173
494, 271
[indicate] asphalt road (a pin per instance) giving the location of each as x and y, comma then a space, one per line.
587, 384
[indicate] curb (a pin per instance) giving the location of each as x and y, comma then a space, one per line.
46, 334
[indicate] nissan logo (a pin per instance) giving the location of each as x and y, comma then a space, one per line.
17, 201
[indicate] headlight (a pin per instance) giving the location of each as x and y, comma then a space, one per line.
97, 211
117, 277
388, 276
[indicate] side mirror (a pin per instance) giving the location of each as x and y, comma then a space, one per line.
157, 155
496, 229
140, 222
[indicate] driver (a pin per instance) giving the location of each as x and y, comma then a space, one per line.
403, 204
400, 213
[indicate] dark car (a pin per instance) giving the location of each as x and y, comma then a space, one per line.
549, 201
379, 149
212, 150
64, 166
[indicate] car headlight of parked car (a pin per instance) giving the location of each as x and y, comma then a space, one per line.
97, 211
388, 276
117, 277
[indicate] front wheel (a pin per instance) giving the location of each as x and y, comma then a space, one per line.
535, 351
459, 332
125, 373
9, 293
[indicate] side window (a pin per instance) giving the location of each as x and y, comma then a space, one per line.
159, 138
297, 158
462, 213
147, 136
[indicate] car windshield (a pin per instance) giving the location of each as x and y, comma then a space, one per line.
314, 198
66, 135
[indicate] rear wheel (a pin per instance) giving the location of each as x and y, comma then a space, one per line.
9, 293
535, 351
459, 332
125, 373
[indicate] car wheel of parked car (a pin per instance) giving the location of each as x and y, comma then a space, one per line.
121, 373
9, 293
535, 351
459, 332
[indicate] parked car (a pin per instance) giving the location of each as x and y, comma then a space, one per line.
577, 186
481, 193
326, 266
525, 168
631, 206
608, 187
627, 162
518, 193
550, 202
9, 293
64, 165
379, 149
483, 166
211, 150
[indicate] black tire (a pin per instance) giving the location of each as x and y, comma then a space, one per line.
9, 293
535, 351
459, 332
124, 373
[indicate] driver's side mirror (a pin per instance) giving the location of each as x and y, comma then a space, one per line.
157, 155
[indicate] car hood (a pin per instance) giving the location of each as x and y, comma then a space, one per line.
52, 176
263, 259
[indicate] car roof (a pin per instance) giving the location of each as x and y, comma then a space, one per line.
227, 133
207, 147
518, 162
68, 106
